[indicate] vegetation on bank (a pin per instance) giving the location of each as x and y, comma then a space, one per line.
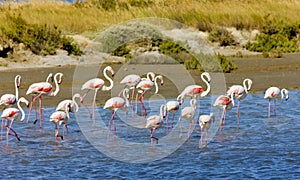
41, 25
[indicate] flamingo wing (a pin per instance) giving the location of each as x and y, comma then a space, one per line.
95, 83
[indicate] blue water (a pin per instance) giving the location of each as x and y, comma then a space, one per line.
258, 147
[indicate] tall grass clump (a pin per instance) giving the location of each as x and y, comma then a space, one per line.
40, 39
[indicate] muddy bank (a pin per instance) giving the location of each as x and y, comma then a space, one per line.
283, 72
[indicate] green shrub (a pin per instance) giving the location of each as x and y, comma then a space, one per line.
275, 35
221, 36
40, 39
115, 36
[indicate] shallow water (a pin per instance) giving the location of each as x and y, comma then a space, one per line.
258, 147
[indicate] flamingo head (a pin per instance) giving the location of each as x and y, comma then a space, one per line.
18, 81
109, 68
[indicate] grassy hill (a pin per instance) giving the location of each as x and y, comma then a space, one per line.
93, 15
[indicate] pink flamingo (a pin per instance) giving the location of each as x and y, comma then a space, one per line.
73, 104
40, 89
172, 107
274, 93
61, 117
155, 121
114, 104
240, 92
96, 84
196, 90
226, 103
146, 85
13, 114
205, 123
132, 80
188, 113
11, 99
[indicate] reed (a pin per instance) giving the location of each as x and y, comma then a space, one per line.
92, 16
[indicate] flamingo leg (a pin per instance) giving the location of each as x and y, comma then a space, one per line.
94, 104
222, 116
201, 138
269, 108
180, 128
152, 137
110, 121
81, 100
41, 112
143, 105
173, 117
237, 111
15, 133
275, 107
2, 127
167, 119
30, 109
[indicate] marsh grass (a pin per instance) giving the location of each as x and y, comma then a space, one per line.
92, 15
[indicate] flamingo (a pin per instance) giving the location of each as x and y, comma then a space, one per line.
188, 113
13, 114
114, 104
155, 121
172, 107
146, 85
73, 104
196, 90
205, 123
11, 99
96, 84
274, 93
61, 117
43, 88
132, 80
224, 102
240, 92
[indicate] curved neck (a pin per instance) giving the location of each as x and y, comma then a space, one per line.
125, 96
231, 98
204, 93
17, 85
67, 109
284, 93
247, 85
155, 83
162, 111
107, 88
74, 101
50, 76
151, 76
193, 103
56, 83
21, 109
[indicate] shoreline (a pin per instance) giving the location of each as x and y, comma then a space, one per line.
265, 72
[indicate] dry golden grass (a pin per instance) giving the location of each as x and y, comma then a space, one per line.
201, 14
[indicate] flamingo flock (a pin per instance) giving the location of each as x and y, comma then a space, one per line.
134, 90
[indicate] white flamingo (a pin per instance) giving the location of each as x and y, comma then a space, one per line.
225, 103
172, 107
240, 92
73, 104
155, 121
146, 85
114, 104
59, 118
40, 89
205, 122
96, 84
13, 114
188, 113
274, 93
194, 91
11, 99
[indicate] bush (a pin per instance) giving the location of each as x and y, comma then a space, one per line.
221, 36
116, 36
40, 39
275, 35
